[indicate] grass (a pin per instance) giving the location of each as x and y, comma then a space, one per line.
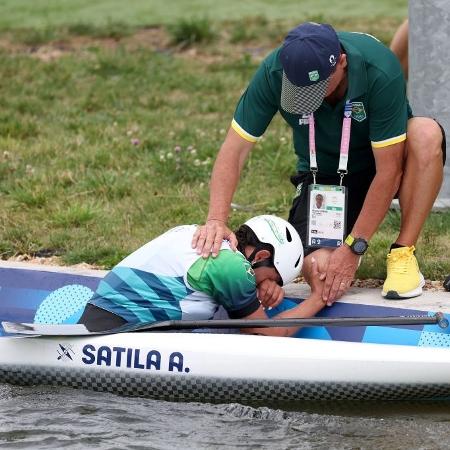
108, 135
191, 31
432, 247
40, 14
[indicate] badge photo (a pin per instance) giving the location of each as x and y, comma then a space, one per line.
326, 215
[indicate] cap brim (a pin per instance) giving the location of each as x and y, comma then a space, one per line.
302, 99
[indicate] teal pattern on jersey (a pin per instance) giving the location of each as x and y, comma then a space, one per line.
168, 291
140, 296
110, 299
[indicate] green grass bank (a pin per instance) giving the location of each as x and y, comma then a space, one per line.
50, 13
109, 128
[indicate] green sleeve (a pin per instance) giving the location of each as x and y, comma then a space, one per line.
229, 280
260, 101
388, 111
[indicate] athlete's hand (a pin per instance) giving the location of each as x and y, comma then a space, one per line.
269, 293
340, 273
208, 238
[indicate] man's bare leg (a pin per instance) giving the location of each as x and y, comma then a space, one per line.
422, 177
421, 181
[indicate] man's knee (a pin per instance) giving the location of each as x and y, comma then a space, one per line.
424, 140
322, 257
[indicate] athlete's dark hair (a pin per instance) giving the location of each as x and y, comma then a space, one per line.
246, 236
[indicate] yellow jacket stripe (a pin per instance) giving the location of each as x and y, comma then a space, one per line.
390, 141
241, 132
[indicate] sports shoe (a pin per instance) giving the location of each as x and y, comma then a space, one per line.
404, 279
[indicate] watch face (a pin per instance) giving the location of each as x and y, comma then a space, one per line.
359, 246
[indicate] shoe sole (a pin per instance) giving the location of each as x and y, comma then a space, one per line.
394, 295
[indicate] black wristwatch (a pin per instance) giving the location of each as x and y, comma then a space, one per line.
358, 246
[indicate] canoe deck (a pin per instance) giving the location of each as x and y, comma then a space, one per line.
323, 363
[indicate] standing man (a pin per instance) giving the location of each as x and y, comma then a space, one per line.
356, 140
399, 45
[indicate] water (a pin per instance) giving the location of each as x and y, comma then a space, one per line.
49, 417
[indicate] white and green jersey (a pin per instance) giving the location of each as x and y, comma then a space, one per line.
166, 279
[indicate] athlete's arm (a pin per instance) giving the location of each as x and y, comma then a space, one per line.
343, 262
269, 293
224, 179
308, 308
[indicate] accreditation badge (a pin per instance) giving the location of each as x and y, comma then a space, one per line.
327, 206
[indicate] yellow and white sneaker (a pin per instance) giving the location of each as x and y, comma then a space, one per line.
404, 279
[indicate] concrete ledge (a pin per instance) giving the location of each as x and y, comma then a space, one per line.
73, 270
429, 300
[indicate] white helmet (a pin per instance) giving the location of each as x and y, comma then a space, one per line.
288, 248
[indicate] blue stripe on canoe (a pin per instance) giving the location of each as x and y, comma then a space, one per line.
432, 339
389, 335
43, 280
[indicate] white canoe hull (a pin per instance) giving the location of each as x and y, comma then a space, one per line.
227, 367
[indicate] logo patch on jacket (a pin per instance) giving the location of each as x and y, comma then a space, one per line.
358, 111
304, 120
298, 190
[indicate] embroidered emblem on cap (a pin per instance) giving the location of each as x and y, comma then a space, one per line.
314, 75
308, 56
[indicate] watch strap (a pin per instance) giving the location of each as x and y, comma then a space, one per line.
355, 244
349, 240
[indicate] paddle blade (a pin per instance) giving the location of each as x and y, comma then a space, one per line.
47, 329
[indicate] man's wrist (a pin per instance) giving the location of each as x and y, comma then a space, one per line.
215, 219
315, 297
357, 245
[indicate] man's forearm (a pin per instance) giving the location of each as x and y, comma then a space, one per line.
225, 175
377, 202
224, 180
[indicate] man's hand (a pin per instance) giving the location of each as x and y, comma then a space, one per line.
208, 238
316, 279
270, 294
340, 273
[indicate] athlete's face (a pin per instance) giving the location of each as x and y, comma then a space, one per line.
267, 273
338, 74
263, 273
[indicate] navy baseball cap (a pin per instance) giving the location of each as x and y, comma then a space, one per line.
309, 56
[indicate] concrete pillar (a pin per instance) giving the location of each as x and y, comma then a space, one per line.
429, 70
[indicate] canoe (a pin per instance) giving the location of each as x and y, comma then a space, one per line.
228, 367
320, 363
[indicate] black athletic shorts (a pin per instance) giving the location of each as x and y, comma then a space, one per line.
357, 187
98, 319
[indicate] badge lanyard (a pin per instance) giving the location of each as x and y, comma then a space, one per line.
345, 143
327, 204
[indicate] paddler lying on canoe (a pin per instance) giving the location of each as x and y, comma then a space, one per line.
167, 280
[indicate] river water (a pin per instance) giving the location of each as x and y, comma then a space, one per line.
49, 417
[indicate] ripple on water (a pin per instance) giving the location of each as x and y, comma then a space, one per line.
48, 417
